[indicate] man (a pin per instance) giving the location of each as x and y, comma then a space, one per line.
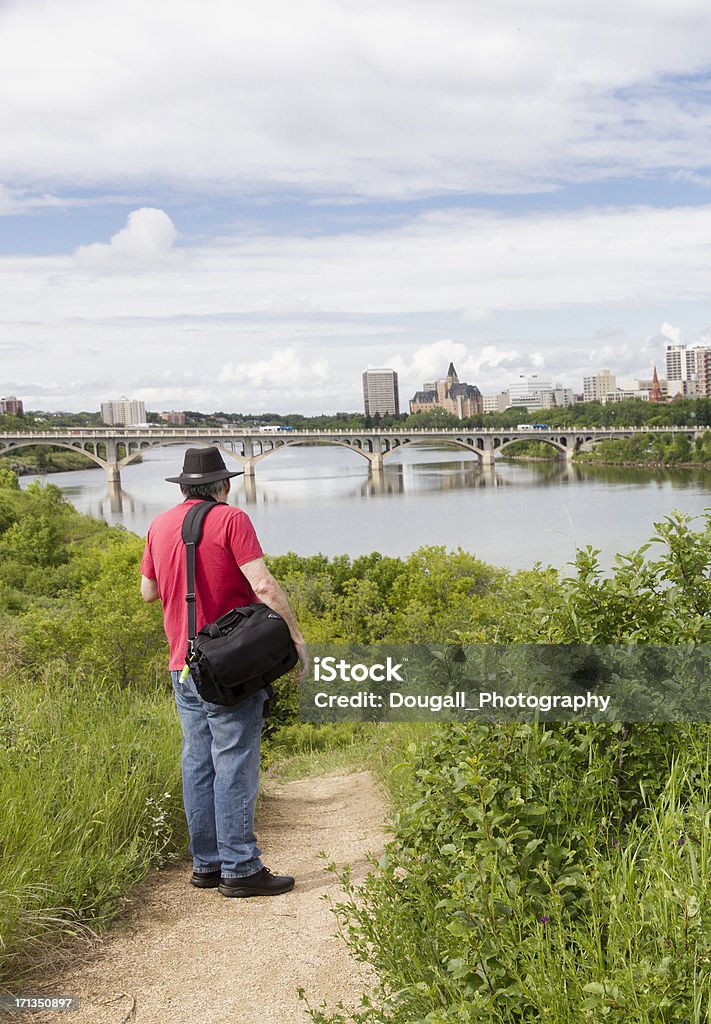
220, 759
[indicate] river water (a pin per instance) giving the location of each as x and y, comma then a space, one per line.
323, 499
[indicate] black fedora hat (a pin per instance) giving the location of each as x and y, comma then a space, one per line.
203, 466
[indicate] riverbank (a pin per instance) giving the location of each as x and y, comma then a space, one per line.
644, 451
703, 466
31, 462
583, 459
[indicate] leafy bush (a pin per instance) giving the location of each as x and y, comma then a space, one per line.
554, 873
516, 889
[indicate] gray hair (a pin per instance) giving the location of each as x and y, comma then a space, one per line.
217, 489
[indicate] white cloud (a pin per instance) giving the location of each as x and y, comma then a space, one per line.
17, 201
430, 362
471, 360
475, 362
391, 100
693, 178
671, 333
269, 377
291, 320
146, 239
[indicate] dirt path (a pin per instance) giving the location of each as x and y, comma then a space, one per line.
190, 956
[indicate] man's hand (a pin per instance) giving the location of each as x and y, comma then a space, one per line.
303, 669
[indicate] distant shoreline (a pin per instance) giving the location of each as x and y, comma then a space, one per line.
27, 466
606, 462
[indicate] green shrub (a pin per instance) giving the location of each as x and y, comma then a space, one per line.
516, 889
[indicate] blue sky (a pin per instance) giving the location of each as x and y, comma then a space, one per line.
244, 205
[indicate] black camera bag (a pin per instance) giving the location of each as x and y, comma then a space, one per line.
245, 650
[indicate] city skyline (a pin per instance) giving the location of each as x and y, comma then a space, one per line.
296, 193
683, 376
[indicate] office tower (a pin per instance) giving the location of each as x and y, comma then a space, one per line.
123, 412
380, 393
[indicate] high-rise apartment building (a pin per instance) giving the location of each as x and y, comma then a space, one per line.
598, 387
681, 363
688, 370
703, 372
11, 406
380, 393
123, 412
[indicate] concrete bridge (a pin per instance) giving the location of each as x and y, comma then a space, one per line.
113, 448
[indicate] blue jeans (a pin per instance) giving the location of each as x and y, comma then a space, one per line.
220, 779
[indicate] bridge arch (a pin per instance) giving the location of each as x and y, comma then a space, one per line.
365, 446
7, 448
354, 445
135, 449
559, 445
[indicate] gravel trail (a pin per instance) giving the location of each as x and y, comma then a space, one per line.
190, 956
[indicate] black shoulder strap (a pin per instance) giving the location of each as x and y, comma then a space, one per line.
191, 534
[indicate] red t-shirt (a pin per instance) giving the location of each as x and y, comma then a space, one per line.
228, 541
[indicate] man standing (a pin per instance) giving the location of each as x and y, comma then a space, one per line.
220, 758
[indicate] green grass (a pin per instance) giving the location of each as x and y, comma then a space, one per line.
301, 750
89, 798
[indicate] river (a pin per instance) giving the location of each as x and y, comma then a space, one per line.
323, 499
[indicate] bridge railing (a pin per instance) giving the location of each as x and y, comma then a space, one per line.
90, 433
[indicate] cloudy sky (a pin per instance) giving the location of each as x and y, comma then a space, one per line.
241, 205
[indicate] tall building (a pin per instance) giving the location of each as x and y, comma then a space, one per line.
681, 364
380, 393
703, 372
562, 397
124, 412
462, 400
496, 403
11, 406
598, 387
687, 370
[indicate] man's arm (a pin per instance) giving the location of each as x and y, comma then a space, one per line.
268, 590
149, 589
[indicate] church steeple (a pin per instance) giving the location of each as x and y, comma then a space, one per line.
655, 393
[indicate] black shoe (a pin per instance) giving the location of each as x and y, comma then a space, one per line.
205, 879
263, 883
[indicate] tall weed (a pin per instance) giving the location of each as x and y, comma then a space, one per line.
89, 797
